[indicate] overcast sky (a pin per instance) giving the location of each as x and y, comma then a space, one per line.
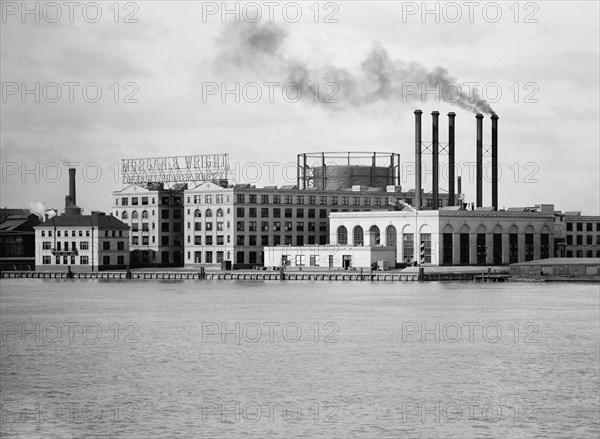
543, 57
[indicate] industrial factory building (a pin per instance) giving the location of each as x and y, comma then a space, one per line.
155, 214
437, 233
183, 211
77, 242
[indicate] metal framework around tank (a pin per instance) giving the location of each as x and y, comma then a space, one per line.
314, 169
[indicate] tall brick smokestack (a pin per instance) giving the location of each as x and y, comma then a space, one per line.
72, 186
495, 161
479, 154
451, 200
435, 147
417, 202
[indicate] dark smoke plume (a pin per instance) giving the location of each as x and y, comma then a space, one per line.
260, 48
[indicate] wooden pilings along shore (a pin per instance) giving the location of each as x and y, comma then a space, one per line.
232, 275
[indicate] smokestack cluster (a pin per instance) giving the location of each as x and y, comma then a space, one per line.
479, 153
451, 160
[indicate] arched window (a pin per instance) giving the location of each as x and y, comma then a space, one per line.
208, 213
124, 215
144, 214
342, 235
134, 215
391, 236
197, 213
359, 236
374, 236
219, 212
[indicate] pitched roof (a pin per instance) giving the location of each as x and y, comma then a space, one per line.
99, 221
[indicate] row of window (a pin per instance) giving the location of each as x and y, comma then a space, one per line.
288, 226
265, 240
287, 213
589, 240
83, 260
66, 233
579, 227
291, 199
165, 213
164, 200
83, 245
164, 227
164, 240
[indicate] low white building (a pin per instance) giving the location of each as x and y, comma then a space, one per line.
329, 256
450, 236
82, 242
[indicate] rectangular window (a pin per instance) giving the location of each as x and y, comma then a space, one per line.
219, 198
120, 245
135, 240
288, 240
208, 227
300, 199
198, 226
220, 239
276, 199
240, 240
164, 241
323, 200
46, 260
276, 226
144, 201
311, 213
252, 212
345, 201
208, 257
288, 199
46, 245
120, 260
367, 201
251, 239
300, 260
288, 226
164, 227
208, 199
288, 213
134, 201
106, 260
311, 227
165, 213
276, 240
240, 226
264, 212
579, 239
145, 240
219, 225
322, 213
312, 199
84, 260
322, 227
299, 227
240, 212
106, 245
252, 226
264, 226
529, 247
299, 213
124, 201
208, 239
408, 248
276, 212
264, 199
197, 240
264, 240
580, 227
241, 198
588, 227
252, 198
334, 201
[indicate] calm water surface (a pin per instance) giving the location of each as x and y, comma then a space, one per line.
251, 359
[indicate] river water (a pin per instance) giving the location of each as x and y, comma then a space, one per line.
88, 358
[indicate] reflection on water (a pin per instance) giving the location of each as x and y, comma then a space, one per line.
253, 359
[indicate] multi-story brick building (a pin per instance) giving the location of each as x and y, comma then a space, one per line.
82, 242
155, 215
235, 223
582, 235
